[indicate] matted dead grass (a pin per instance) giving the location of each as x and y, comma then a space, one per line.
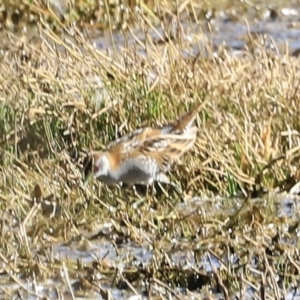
58, 99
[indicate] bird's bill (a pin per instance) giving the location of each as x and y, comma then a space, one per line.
88, 168
87, 179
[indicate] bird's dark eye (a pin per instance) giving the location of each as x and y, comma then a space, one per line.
95, 168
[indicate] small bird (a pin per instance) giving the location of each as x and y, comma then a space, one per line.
144, 155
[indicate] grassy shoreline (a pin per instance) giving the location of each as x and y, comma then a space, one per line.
55, 105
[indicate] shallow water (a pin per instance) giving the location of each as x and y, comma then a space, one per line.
131, 255
274, 25
136, 254
278, 32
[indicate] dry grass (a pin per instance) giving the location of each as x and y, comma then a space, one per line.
59, 99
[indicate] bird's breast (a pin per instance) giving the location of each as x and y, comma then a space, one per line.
134, 171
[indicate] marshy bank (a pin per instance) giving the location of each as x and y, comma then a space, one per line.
74, 79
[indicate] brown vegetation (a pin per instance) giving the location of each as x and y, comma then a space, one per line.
60, 97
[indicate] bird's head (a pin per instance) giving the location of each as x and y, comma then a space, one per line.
96, 164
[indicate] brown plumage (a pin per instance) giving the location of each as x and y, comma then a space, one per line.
146, 154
